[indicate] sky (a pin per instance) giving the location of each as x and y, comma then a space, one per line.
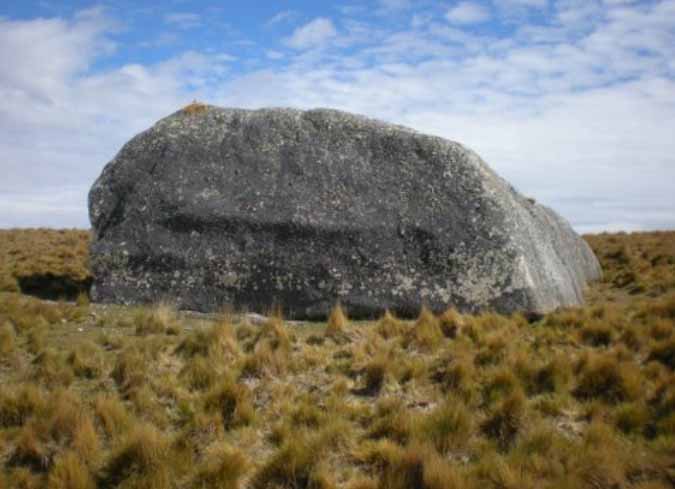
572, 101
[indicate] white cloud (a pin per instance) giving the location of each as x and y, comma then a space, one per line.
271, 54
313, 34
183, 20
59, 123
467, 13
283, 16
40, 55
579, 118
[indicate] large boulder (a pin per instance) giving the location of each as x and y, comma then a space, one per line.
301, 209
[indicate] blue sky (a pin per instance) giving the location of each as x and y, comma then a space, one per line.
571, 101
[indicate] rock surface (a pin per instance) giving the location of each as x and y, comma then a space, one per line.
216, 206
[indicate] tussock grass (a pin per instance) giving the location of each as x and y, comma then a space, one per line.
426, 333
448, 427
374, 374
7, 339
87, 360
141, 460
223, 468
597, 333
19, 402
390, 327
603, 377
112, 414
664, 352
159, 319
194, 108
418, 466
506, 421
392, 421
124, 397
130, 371
298, 462
233, 402
451, 323
337, 322
69, 472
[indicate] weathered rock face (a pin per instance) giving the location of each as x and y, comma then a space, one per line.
253, 208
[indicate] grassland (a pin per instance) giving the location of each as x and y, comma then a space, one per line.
113, 397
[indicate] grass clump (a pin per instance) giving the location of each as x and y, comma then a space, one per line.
506, 421
86, 359
19, 402
69, 472
392, 420
232, 402
597, 334
87, 393
454, 375
112, 414
130, 371
7, 339
389, 326
195, 108
223, 468
141, 461
374, 374
218, 340
447, 427
271, 353
664, 352
298, 463
451, 323
337, 322
426, 333
418, 466
551, 377
603, 377
160, 319
631, 418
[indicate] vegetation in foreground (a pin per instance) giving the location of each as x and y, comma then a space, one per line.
112, 397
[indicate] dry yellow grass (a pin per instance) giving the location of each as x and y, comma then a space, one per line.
94, 396
195, 108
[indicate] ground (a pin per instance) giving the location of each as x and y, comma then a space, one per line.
110, 396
